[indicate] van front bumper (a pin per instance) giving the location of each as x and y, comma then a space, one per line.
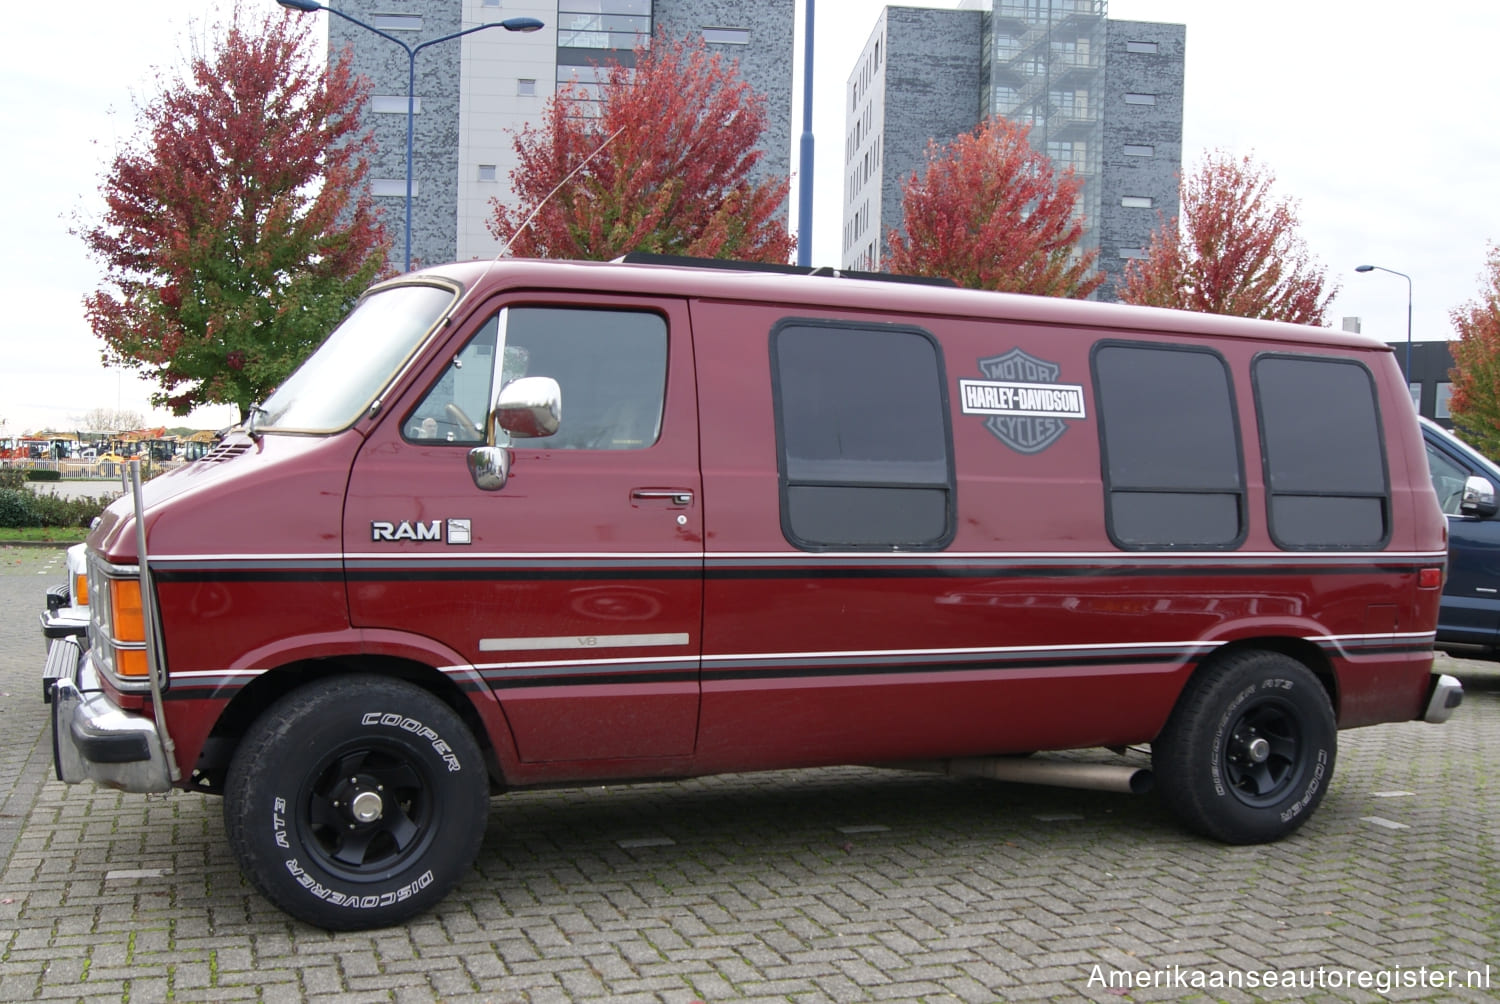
92, 738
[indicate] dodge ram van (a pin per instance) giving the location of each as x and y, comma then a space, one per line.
526, 523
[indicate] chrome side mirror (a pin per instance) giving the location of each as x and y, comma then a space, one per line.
1479, 498
528, 408
489, 466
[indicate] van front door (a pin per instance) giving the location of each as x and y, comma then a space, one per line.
574, 592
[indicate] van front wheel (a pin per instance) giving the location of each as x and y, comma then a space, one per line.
1248, 752
356, 802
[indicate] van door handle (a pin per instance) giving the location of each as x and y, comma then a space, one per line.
676, 496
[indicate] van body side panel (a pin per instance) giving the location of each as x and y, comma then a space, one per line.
573, 592
1030, 629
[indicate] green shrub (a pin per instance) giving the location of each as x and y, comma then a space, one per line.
18, 508
41, 474
54, 510
12, 477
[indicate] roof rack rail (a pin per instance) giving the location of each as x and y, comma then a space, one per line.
648, 258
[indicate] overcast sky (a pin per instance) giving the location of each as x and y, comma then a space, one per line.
1378, 118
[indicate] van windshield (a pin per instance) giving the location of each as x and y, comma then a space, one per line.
357, 361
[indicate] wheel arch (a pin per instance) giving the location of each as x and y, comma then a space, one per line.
252, 700
1306, 652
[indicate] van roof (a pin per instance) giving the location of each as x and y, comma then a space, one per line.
822, 289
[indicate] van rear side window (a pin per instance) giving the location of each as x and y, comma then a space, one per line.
1173, 471
864, 448
1324, 454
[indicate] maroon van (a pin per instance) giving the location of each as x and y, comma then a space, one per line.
530, 523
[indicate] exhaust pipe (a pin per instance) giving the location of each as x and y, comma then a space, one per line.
1059, 773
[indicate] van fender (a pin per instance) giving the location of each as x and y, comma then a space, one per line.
354, 643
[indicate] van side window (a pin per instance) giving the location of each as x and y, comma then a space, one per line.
864, 448
610, 364
1324, 455
1173, 470
454, 410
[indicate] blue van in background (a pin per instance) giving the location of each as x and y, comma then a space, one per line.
1466, 483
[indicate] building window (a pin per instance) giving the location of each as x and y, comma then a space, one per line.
1325, 469
397, 22
1132, 252
1173, 469
1146, 47
393, 104
1444, 392
394, 188
489, 172
726, 36
1139, 150
1136, 202
491, 3
857, 473
1140, 99
526, 87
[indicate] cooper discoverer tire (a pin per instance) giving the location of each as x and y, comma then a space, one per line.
356, 802
1248, 752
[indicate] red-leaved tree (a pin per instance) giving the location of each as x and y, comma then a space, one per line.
991, 213
1234, 250
679, 136
237, 230
1476, 363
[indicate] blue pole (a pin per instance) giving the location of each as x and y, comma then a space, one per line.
805, 163
411, 121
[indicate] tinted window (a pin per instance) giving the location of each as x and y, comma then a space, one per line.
1173, 474
1324, 457
610, 364
864, 449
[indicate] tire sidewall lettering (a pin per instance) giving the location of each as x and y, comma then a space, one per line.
365, 901
405, 723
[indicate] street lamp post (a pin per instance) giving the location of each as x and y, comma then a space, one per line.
509, 24
805, 162
1382, 268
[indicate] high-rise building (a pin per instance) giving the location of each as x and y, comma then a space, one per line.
1102, 97
472, 94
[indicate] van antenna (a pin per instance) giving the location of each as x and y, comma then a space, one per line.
555, 189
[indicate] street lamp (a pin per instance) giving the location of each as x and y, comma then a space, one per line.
509, 24
1382, 268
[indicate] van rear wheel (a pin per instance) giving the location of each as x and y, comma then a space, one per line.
1248, 752
356, 802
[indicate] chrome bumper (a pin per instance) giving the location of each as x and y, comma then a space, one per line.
64, 622
1447, 694
92, 739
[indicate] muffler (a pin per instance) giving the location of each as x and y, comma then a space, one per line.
1058, 773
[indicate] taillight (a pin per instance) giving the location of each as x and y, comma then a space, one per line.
1430, 578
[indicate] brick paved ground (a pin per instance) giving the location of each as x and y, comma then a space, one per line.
804, 886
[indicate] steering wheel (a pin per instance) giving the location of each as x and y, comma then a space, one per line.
464, 421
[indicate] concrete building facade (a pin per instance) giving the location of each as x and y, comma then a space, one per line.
472, 94
1102, 97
